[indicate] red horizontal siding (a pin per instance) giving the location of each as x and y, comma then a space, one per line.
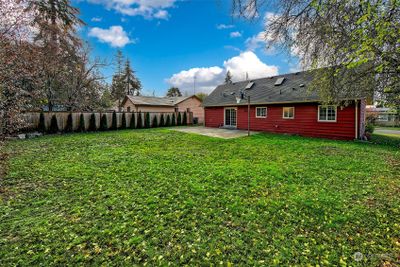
305, 121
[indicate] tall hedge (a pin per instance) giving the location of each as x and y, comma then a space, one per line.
146, 120
155, 122
184, 120
132, 124
92, 123
139, 120
179, 120
42, 123
114, 125
173, 120
103, 123
123, 121
53, 125
81, 127
69, 128
168, 121
162, 122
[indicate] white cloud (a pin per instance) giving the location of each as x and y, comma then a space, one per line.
115, 36
235, 34
208, 78
224, 26
97, 19
148, 9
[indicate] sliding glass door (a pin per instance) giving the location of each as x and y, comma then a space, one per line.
230, 117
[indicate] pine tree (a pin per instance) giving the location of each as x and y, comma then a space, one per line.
42, 123
133, 121
173, 120
69, 128
103, 123
155, 122
184, 120
123, 121
53, 125
114, 125
228, 77
139, 120
92, 123
147, 120
118, 86
179, 120
168, 121
162, 122
174, 92
131, 82
81, 123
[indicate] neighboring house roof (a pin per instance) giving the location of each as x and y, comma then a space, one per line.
155, 101
286, 88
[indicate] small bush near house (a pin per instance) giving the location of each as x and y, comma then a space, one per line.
81, 127
103, 123
173, 120
139, 120
154, 124
123, 121
146, 120
184, 120
179, 119
162, 122
168, 121
53, 125
132, 124
69, 128
114, 125
369, 129
92, 123
42, 123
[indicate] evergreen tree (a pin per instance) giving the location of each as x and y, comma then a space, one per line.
184, 120
228, 77
162, 122
103, 123
82, 123
131, 83
123, 121
133, 121
139, 120
53, 125
118, 86
114, 125
42, 123
179, 120
173, 119
92, 123
155, 122
69, 128
168, 121
147, 120
174, 92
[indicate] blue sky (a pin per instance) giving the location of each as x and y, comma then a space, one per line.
170, 42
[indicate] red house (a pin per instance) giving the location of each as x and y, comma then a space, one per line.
283, 104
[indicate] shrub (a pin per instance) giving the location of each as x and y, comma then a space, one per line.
69, 128
103, 123
81, 127
162, 123
114, 125
146, 120
369, 128
155, 122
132, 122
123, 121
139, 120
184, 120
53, 125
173, 119
168, 121
179, 119
42, 123
92, 123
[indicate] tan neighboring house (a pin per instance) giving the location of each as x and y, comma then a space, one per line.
164, 104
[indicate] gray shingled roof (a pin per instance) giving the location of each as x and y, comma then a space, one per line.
264, 91
156, 101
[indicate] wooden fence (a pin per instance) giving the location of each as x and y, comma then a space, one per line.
32, 118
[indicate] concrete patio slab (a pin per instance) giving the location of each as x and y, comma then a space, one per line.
213, 132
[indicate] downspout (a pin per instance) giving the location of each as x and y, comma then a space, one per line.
356, 127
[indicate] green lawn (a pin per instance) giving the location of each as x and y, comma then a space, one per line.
160, 197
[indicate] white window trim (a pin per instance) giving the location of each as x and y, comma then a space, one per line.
235, 108
266, 113
283, 113
327, 114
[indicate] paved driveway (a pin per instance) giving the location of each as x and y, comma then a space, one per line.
387, 131
213, 132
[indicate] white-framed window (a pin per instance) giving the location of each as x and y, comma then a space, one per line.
261, 112
288, 113
327, 113
383, 117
